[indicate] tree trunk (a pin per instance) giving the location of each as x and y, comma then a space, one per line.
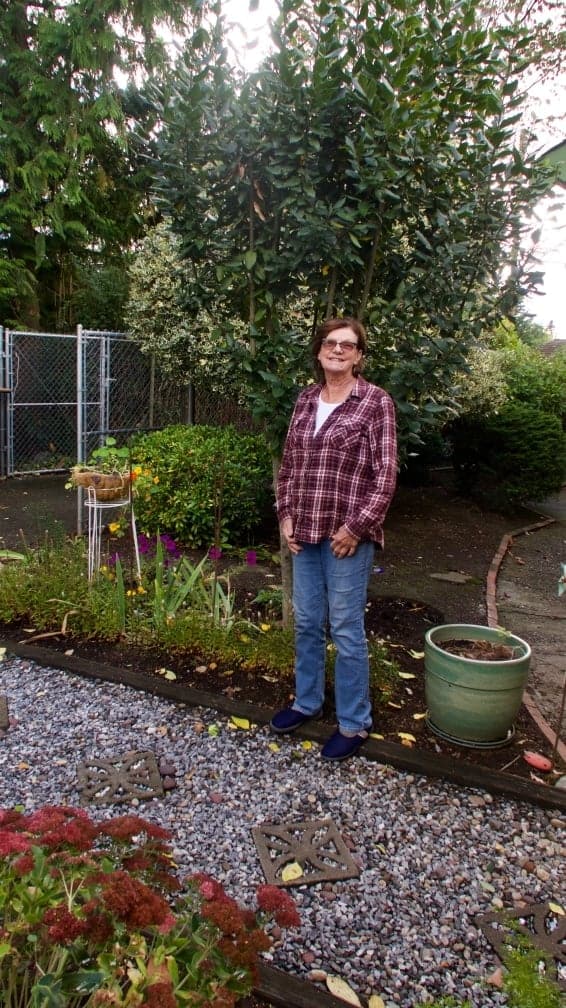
285, 560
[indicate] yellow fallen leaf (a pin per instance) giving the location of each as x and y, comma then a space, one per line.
376, 735
213, 665
407, 736
306, 745
406, 675
241, 722
419, 717
274, 747
291, 871
557, 909
168, 674
269, 678
416, 654
337, 986
397, 705
407, 742
376, 1001
200, 669
22, 766
264, 627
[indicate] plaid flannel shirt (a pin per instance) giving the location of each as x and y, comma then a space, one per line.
346, 473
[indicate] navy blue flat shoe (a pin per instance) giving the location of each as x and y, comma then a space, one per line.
288, 720
340, 747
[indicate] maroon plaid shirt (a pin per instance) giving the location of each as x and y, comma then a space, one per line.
345, 474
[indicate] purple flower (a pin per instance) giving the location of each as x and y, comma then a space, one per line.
113, 558
214, 553
144, 544
251, 558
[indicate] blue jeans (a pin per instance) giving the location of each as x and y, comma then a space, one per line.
328, 590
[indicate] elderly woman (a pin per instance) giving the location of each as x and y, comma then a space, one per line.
335, 485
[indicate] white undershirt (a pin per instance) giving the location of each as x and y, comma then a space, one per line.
323, 411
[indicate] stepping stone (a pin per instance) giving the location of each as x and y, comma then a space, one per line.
314, 844
544, 927
121, 779
453, 577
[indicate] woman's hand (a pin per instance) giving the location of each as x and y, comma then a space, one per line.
343, 543
287, 532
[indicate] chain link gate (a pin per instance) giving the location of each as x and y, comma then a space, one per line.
63, 393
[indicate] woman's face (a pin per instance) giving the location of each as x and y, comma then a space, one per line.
339, 353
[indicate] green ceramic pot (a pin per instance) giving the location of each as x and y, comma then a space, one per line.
471, 701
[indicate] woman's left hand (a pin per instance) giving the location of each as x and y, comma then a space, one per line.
343, 543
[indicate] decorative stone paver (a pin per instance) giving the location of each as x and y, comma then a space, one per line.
4, 715
110, 781
539, 922
314, 844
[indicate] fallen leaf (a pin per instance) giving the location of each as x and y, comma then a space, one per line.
557, 909
406, 736
241, 722
200, 669
376, 735
269, 678
416, 654
496, 978
407, 742
419, 717
161, 729
22, 766
67, 653
376, 1001
292, 871
398, 706
213, 665
274, 747
3, 653
306, 745
337, 986
214, 730
406, 675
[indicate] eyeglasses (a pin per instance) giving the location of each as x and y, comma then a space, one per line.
332, 344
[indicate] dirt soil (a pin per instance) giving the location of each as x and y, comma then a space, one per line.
433, 570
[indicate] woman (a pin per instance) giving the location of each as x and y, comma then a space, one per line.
335, 485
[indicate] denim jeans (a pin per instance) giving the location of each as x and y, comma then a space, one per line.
332, 591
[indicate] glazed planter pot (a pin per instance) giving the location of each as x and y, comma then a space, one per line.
472, 701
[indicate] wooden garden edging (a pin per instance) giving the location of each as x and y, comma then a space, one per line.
401, 757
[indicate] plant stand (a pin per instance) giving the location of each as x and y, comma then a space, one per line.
96, 510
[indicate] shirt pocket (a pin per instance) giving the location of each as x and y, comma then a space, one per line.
349, 440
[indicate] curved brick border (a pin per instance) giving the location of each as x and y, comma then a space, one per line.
493, 621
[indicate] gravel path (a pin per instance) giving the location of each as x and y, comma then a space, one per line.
431, 855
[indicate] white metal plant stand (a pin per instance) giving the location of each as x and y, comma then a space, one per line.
97, 510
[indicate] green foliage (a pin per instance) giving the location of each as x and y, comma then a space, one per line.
72, 180
536, 380
204, 485
511, 457
92, 913
374, 148
525, 985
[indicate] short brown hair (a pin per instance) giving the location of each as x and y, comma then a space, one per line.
331, 325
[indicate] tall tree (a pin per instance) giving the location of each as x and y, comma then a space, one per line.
369, 165
68, 179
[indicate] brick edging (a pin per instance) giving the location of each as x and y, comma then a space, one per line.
493, 621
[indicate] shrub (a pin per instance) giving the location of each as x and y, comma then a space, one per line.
511, 457
88, 918
535, 380
201, 484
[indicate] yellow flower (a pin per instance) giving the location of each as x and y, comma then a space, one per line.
264, 627
104, 568
137, 470
130, 592
156, 479
141, 590
113, 527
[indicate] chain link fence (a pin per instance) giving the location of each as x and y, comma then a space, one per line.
61, 394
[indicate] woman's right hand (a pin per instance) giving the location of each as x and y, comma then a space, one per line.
287, 533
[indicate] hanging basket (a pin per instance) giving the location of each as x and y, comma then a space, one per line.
106, 486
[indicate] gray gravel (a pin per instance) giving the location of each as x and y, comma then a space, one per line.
431, 855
